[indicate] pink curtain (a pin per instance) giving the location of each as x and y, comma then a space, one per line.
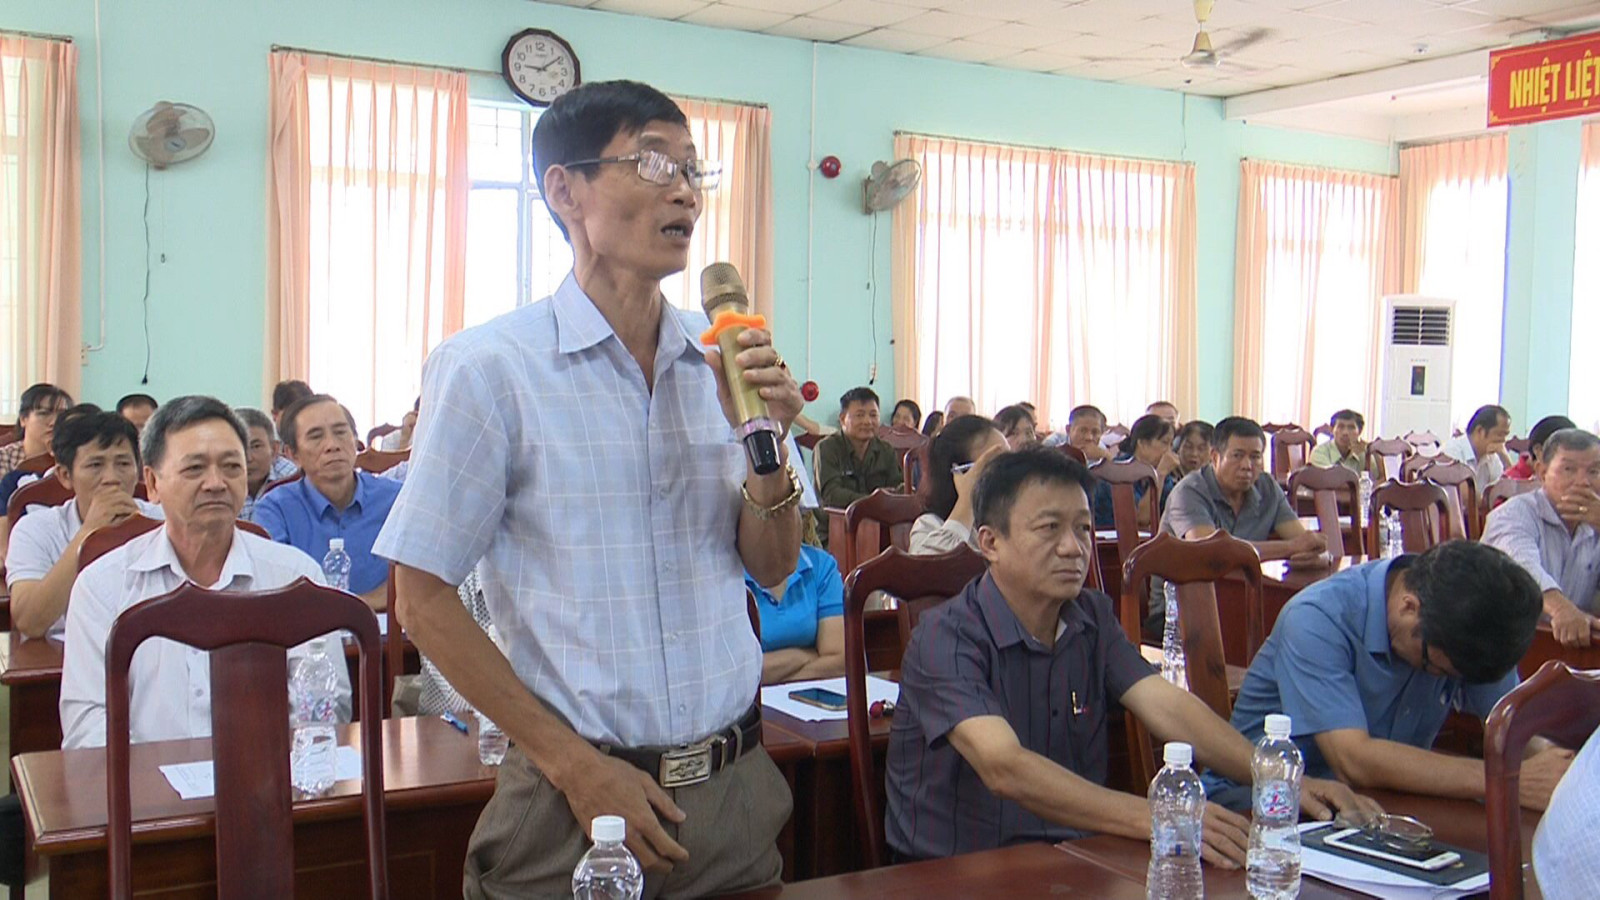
40, 217
367, 191
736, 219
1315, 258
1059, 277
1454, 198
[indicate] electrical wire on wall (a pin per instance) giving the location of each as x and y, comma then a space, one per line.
146, 302
872, 285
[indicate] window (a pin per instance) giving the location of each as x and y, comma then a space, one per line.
39, 218
1583, 394
1455, 224
517, 255
1022, 262
1312, 263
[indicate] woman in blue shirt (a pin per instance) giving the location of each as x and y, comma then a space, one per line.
1149, 441
802, 620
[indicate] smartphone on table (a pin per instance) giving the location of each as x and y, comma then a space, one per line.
1423, 856
832, 701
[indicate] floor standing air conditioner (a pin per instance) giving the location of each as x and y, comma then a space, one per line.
1418, 351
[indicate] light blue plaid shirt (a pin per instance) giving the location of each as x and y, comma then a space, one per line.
606, 515
1530, 531
1564, 857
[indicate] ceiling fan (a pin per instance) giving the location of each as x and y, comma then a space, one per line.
1205, 56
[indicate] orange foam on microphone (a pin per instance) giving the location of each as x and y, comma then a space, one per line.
729, 319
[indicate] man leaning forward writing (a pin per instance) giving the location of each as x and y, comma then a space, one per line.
583, 447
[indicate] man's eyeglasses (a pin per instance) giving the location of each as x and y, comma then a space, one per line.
1429, 666
658, 168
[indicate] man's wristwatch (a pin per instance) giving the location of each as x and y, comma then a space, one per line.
782, 506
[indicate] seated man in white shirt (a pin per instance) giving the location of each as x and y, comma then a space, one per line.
1483, 447
97, 456
194, 451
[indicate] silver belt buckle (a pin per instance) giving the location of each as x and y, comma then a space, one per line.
689, 765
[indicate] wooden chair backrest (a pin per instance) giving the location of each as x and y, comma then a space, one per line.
1518, 445
1073, 452
1322, 431
1411, 469
1274, 427
1328, 486
920, 583
903, 439
379, 461
1116, 431
1425, 442
47, 491
876, 522
915, 465
1391, 454
274, 485
37, 464
1124, 478
1460, 483
808, 440
1424, 509
1194, 567
1291, 449
1556, 703
9, 433
104, 540
378, 432
1505, 489
247, 634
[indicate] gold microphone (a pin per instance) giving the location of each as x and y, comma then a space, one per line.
727, 305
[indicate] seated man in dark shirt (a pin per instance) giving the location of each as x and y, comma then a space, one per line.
1000, 734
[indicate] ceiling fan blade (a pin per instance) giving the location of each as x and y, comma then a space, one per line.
1245, 41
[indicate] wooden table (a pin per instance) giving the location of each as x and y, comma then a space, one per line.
1102, 868
826, 839
433, 786
32, 670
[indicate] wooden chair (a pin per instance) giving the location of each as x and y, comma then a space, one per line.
47, 491
1120, 432
1424, 510
9, 433
1424, 442
921, 583
877, 522
1328, 487
903, 439
1460, 485
1505, 489
1291, 450
247, 635
808, 441
1322, 431
104, 540
377, 461
1518, 446
394, 641
274, 485
379, 431
1556, 703
1073, 452
1274, 428
1390, 454
1124, 479
1195, 567
915, 465
40, 464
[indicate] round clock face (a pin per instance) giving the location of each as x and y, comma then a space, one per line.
540, 66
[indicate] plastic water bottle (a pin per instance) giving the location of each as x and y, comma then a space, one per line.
492, 742
1273, 864
313, 713
336, 565
1174, 668
608, 871
1366, 498
1394, 543
1177, 808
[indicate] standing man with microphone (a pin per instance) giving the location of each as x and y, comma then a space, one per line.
585, 450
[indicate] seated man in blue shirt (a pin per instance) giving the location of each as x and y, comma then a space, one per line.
333, 500
802, 620
1000, 734
1368, 663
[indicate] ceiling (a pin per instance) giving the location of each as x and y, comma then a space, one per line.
1140, 41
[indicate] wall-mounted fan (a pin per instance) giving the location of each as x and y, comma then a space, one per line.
889, 183
171, 133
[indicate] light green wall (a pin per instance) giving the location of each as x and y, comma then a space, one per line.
208, 221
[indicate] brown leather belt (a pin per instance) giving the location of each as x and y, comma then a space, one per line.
675, 767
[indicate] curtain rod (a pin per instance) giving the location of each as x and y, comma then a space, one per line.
37, 34
495, 72
1334, 169
988, 143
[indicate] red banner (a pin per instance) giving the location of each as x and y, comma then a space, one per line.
1552, 80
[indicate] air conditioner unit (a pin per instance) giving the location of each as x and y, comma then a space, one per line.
1418, 352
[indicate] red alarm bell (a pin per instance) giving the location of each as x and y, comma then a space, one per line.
829, 166
810, 391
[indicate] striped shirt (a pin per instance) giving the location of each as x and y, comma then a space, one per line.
1530, 531
606, 515
972, 657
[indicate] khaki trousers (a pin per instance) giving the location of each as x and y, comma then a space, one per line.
527, 842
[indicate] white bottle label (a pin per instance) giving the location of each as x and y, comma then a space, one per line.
1274, 799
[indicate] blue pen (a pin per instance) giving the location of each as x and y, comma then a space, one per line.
455, 723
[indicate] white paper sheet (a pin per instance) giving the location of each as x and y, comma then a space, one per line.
195, 780
1379, 882
776, 696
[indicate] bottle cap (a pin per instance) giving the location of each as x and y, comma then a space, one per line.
609, 828
335, 544
1278, 726
1178, 754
